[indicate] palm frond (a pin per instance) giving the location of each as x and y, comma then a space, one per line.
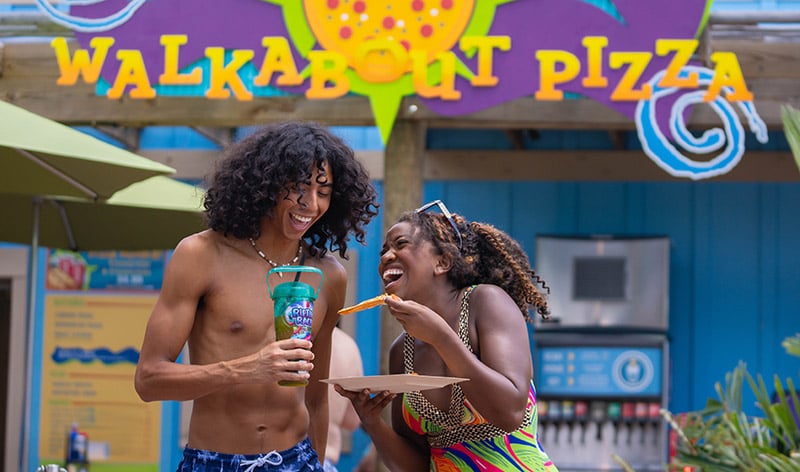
792, 345
791, 126
722, 437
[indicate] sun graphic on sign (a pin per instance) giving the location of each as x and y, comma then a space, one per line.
383, 41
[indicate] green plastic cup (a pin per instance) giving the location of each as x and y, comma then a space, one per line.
294, 306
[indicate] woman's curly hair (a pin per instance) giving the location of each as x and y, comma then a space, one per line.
488, 256
260, 170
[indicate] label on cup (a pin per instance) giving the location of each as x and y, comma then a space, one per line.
301, 315
295, 321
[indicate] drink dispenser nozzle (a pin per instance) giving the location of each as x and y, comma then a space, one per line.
568, 414
654, 412
554, 413
598, 413
615, 415
543, 413
628, 417
642, 418
582, 417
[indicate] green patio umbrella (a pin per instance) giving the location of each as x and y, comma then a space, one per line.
152, 214
39, 156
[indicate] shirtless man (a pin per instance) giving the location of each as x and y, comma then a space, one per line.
286, 195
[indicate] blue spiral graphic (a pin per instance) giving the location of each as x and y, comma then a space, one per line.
728, 141
89, 25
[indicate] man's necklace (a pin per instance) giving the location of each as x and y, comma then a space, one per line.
273, 263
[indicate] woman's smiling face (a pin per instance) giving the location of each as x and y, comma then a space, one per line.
406, 260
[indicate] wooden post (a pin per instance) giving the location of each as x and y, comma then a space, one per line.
402, 191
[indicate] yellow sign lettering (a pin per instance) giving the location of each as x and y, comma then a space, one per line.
594, 62
172, 44
727, 73
485, 46
131, 72
637, 62
446, 88
222, 75
327, 66
684, 49
549, 77
380, 60
278, 58
81, 63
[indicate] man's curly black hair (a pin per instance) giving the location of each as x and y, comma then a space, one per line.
258, 171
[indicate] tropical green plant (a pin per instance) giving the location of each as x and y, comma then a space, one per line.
722, 437
791, 126
792, 345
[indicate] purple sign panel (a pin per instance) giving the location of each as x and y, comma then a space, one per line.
457, 56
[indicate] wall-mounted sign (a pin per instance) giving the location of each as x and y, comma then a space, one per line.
457, 56
599, 370
89, 351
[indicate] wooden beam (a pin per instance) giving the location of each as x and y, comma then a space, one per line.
195, 164
755, 166
219, 136
191, 164
762, 166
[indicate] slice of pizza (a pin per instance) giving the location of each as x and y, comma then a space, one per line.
368, 303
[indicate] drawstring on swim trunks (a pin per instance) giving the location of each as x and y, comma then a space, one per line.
272, 458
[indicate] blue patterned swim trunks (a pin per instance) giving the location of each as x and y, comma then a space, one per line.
300, 458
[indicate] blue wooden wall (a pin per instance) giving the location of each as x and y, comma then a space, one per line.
734, 262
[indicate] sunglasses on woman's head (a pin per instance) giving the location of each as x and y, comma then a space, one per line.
446, 213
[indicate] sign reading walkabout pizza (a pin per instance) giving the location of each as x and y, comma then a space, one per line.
457, 56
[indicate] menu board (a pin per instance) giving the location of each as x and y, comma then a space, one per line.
599, 370
89, 353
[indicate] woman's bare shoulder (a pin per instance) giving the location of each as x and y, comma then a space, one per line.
488, 294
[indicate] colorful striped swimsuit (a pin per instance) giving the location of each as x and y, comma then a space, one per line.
461, 439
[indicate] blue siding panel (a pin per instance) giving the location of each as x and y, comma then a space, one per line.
601, 208
768, 249
733, 322
670, 211
481, 201
701, 326
787, 298
534, 207
172, 137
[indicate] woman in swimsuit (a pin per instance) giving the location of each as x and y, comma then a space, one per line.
462, 294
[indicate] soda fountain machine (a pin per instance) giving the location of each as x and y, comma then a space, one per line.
601, 363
